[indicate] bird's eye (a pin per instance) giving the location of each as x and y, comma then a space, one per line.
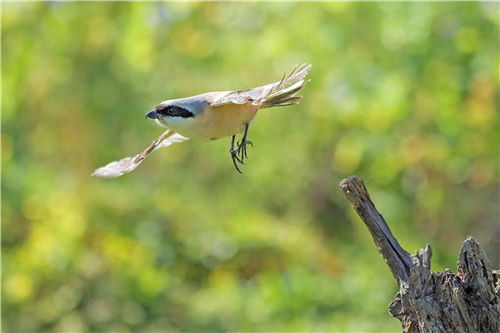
176, 111
163, 110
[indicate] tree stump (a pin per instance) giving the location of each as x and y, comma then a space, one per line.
468, 301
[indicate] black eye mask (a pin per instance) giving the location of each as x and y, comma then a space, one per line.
175, 111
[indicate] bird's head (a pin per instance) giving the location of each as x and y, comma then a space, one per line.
166, 114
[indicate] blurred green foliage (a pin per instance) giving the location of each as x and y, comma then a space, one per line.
405, 95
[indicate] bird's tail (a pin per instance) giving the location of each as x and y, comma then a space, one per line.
280, 95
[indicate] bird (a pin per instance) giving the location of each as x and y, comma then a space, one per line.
214, 115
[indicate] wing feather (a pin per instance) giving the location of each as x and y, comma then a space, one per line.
128, 164
259, 94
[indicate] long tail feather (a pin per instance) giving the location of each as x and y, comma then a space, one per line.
279, 95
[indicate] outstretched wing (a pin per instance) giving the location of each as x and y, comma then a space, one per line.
259, 94
128, 164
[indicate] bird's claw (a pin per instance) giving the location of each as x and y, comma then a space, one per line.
242, 150
235, 163
234, 155
239, 154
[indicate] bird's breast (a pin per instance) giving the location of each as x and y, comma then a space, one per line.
218, 122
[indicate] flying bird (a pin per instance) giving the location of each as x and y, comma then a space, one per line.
212, 116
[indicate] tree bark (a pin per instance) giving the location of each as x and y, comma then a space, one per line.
468, 301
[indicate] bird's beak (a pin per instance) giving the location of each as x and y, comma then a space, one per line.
152, 114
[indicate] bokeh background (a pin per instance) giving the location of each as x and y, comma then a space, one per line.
404, 95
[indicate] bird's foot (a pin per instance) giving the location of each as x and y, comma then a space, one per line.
239, 153
241, 149
235, 158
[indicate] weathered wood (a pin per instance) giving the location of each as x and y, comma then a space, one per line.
468, 301
395, 256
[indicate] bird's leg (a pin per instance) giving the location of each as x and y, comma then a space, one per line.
242, 146
239, 153
234, 155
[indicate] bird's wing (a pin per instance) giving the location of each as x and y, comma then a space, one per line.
128, 164
259, 94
